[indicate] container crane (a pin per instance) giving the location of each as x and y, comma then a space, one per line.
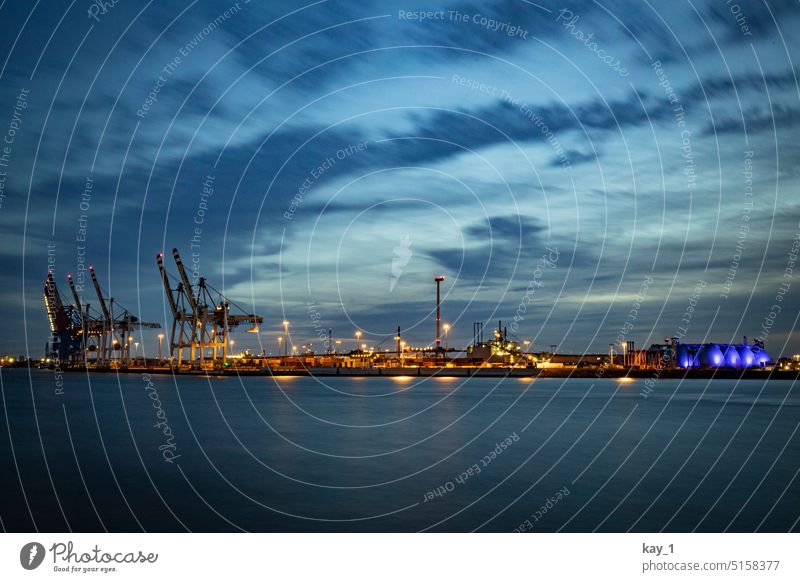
66, 343
201, 318
115, 332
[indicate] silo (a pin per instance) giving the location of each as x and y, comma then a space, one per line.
732, 358
761, 356
711, 356
746, 356
683, 358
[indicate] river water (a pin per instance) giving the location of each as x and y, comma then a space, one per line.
131, 452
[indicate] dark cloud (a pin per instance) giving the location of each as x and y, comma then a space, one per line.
757, 120
260, 108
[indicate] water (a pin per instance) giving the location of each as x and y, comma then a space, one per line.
367, 454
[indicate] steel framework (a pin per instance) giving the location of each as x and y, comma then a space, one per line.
201, 318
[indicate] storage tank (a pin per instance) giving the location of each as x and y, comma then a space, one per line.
761, 357
683, 357
746, 356
711, 356
732, 358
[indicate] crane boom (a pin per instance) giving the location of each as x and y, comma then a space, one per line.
56, 313
165, 279
185, 279
74, 293
102, 301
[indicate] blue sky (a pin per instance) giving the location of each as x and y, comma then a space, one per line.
357, 150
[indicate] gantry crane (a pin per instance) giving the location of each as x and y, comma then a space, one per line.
115, 332
66, 339
91, 326
201, 318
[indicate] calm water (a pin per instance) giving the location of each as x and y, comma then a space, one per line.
339, 454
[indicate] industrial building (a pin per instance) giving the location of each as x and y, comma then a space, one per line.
203, 318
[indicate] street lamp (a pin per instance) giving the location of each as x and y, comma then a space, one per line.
160, 340
358, 338
286, 334
446, 328
280, 339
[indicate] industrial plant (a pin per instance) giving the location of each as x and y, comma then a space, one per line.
199, 340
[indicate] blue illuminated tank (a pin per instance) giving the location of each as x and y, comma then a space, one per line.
737, 356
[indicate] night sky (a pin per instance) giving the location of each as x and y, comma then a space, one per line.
584, 171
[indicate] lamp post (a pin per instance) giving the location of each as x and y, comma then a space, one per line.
446, 328
438, 279
280, 339
160, 340
358, 339
286, 335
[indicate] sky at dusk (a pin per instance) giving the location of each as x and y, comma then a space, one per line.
582, 171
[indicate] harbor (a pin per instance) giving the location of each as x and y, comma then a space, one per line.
200, 342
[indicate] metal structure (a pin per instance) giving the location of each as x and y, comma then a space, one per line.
77, 332
201, 318
399, 347
477, 332
66, 330
498, 350
114, 333
438, 279
91, 326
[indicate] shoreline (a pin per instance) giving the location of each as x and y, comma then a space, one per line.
463, 372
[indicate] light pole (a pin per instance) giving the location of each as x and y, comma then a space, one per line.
160, 340
446, 328
358, 339
286, 335
438, 279
280, 339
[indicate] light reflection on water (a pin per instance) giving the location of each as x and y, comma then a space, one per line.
297, 453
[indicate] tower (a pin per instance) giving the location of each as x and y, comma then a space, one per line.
438, 279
